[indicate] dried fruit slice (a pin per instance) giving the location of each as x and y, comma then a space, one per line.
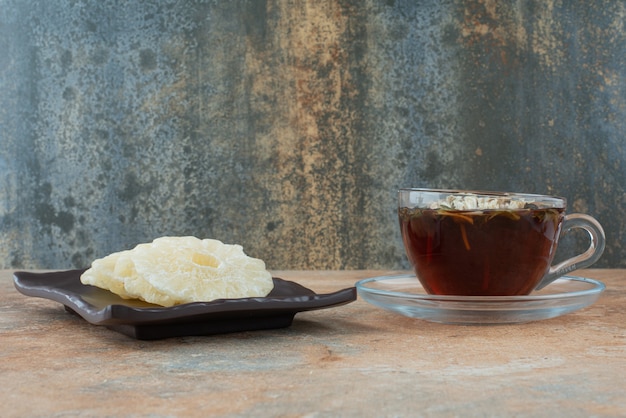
175, 270
109, 272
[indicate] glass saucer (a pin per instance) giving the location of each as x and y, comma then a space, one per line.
405, 295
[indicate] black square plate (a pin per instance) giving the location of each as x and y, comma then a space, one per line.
145, 321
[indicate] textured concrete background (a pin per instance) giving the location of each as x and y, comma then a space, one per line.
287, 126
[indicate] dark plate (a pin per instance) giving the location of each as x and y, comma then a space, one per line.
145, 321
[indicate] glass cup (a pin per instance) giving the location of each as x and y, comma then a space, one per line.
474, 243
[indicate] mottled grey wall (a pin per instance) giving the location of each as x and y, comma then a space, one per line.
287, 126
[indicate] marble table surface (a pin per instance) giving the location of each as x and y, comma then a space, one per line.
352, 360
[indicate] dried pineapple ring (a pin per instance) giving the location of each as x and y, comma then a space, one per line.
175, 270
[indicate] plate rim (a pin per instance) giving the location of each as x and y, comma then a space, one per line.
480, 310
598, 288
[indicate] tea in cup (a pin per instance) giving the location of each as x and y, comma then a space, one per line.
488, 243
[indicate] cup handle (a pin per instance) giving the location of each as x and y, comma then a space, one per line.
593, 253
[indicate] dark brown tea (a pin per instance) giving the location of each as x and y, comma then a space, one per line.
483, 252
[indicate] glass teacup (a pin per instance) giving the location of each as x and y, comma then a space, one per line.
474, 243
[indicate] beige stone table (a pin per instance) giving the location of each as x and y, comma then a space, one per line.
353, 360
